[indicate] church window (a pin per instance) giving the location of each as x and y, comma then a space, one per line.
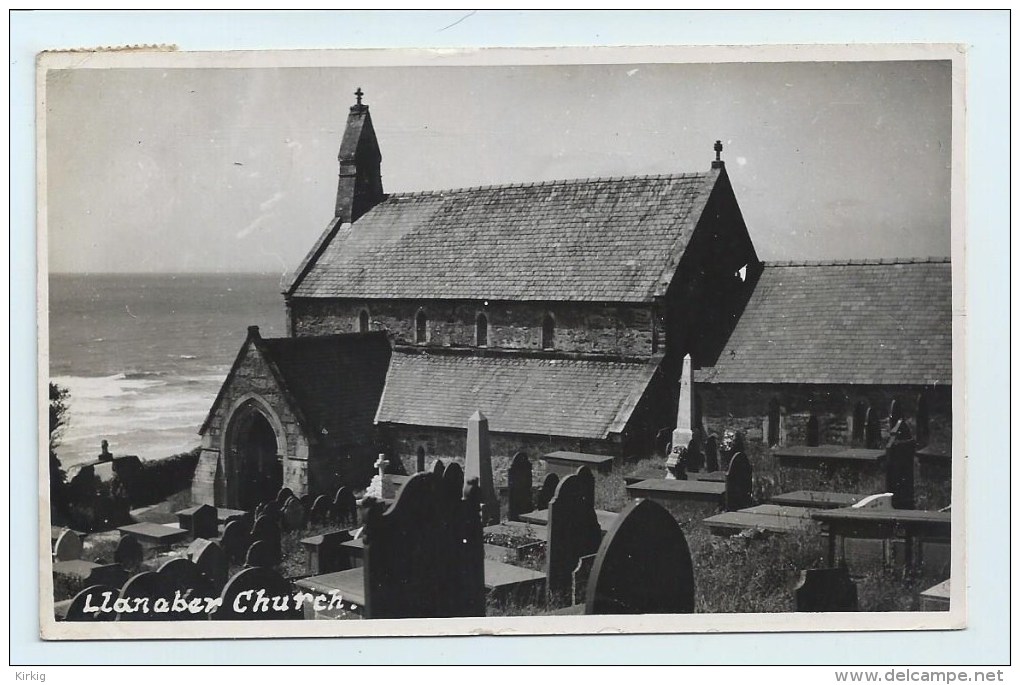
363, 321
421, 327
812, 431
774, 418
922, 419
548, 333
860, 418
482, 331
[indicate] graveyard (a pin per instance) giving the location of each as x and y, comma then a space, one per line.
714, 525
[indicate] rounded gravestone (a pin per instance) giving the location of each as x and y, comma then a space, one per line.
283, 495
643, 565
345, 507
263, 527
738, 483
294, 514
438, 467
237, 599
129, 553
319, 512
712, 454
109, 575
140, 593
453, 481
211, 561
262, 553
181, 578
95, 596
545, 494
68, 546
235, 540
307, 501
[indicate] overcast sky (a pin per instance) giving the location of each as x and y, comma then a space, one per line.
235, 169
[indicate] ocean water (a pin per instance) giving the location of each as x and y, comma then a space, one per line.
143, 356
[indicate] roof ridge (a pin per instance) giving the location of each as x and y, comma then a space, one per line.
857, 262
555, 182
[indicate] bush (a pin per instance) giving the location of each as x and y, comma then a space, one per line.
154, 481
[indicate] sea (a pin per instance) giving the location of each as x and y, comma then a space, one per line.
143, 355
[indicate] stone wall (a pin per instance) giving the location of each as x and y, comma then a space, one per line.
616, 329
746, 406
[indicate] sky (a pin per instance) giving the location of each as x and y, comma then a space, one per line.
235, 170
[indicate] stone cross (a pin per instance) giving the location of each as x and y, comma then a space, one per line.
381, 465
359, 94
684, 432
478, 464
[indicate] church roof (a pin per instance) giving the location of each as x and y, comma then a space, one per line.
331, 382
604, 239
528, 395
883, 322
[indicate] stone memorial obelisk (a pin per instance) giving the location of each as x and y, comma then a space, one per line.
478, 464
684, 431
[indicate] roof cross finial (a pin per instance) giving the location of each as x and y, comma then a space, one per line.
718, 148
358, 94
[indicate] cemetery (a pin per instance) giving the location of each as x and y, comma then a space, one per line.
695, 530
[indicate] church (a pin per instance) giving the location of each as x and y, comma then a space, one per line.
562, 310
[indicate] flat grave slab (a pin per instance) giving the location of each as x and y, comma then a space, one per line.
801, 455
936, 598
931, 523
566, 463
225, 515
934, 456
644, 474
709, 476
500, 575
76, 568
518, 529
349, 584
816, 499
769, 517
540, 517
678, 490
156, 534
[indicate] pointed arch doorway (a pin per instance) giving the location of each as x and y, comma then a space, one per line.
254, 460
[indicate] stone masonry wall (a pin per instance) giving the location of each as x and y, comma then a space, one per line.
580, 327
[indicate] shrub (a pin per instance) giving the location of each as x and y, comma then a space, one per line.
154, 481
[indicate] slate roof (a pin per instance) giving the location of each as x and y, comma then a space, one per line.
856, 322
332, 381
537, 396
605, 239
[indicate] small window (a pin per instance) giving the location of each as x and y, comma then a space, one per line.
363, 321
548, 333
873, 428
860, 418
923, 420
482, 331
812, 431
773, 435
421, 327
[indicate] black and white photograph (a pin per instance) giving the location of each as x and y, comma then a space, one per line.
516, 341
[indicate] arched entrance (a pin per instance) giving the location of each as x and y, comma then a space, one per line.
254, 464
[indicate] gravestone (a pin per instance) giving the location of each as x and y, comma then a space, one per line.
240, 599
345, 507
235, 540
581, 575
204, 522
549, 484
211, 561
518, 480
262, 553
453, 481
129, 553
141, 591
265, 528
573, 531
437, 467
643, 565
695, 456
899, 466
676, 465
895, 413
826, 589
306, 501
738, 483
478, 465
684, 431
732, 442
293, 514
423, 554
712, 454
872, 428
282, 496
662, 442
108, 575
68, 546
93, 596
325, 553
181, 578
319, 513
420, 462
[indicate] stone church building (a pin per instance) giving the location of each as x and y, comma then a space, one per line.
562, 311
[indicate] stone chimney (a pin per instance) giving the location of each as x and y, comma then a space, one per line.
360, 186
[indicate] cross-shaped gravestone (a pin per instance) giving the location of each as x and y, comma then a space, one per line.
380, 465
